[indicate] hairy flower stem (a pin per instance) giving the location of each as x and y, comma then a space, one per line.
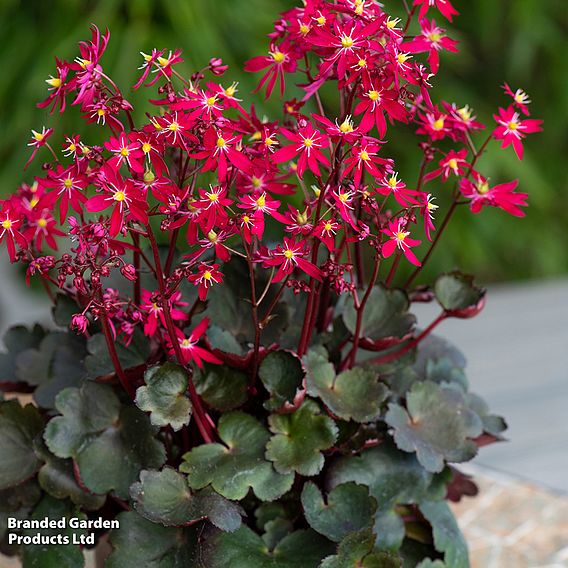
114, 355
201, 419
136, 263
171, 252
351, 356
394, 355
254, 311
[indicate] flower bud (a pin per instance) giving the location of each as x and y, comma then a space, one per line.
216, 66
79, 322
129, 272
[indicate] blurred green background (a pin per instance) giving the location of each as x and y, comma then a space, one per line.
519, 41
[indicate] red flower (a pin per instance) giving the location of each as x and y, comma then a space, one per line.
374, 104
122, 196
399, 238
68, 184
58, 87
202, 104
42, 227
432, 40
307, 144
278, 62
9, 224
444, 6
125, 150
391, 184
511, 129
155, 313
452, 163
289, 256
38, 140
205, 277
190, 351
364, 158
520, 99
502, 196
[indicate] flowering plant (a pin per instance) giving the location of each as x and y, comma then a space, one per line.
236, 374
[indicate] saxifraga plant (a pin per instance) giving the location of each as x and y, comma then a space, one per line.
234, 374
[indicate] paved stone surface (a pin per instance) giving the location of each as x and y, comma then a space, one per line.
514, 524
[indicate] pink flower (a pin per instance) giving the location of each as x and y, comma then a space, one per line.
288, 257
511, 129
374, 105
399, 239
452, 163
364, 158
520, 99
432, 40
306, 143
9, 230
190, 351
206, 276
444, 6
38, 140
279, 61
79, 322
502, 196
155, 313
126, 149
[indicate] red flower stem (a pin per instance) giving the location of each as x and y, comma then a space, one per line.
392, 271
114, 355
171, 251
410, 345
350, 358
254, 310
275, 300
408, 20
136, 262
201, 418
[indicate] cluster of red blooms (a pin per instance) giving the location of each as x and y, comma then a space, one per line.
215, 174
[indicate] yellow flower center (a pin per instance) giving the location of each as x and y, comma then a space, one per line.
119, 196
289, 254
344, 197
453, 163
42, 223
321, 20
186, 343
174, 126
304, 29
391, 24
221, 143
38, 135
434, 37
278, 56
101, 112
403, 58
465, 113
230, 91
146, 148
400, 236
482, 188
67, 183
149, 176
438, 124
308, 142
256, 182
373, 95
347, 42
270, 141
163, 61
362, 63
513, 125
392, 181
364, 155
261, 201
54, 82
256, 136
346, 126
34, 201
327, 226
246, 219
211, 101
212, 236
207, 275
213, 196
124, 152
7, 224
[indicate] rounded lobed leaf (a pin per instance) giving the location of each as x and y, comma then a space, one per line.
437, 424
19, 426
457, 294
110, 443
282, 374
164, 497
355, 394
221, 387
348, 508
164, 396
238, 464
299, 439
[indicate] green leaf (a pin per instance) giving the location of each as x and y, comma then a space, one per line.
281, 373
54, 555
492, 424
357, 550
221, 387
98, 362
139, 542
355, 394
57, 363
56, 477
18, 428
17, 502
447, 535
237, 464
275, 531
63, 309
110, 443
267, 512
164, 396
223, 340
245, 549
16, 340
349, 508
393, 477
164, 497
456, 292
437, 424
386, 314
429, 563
299, 439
